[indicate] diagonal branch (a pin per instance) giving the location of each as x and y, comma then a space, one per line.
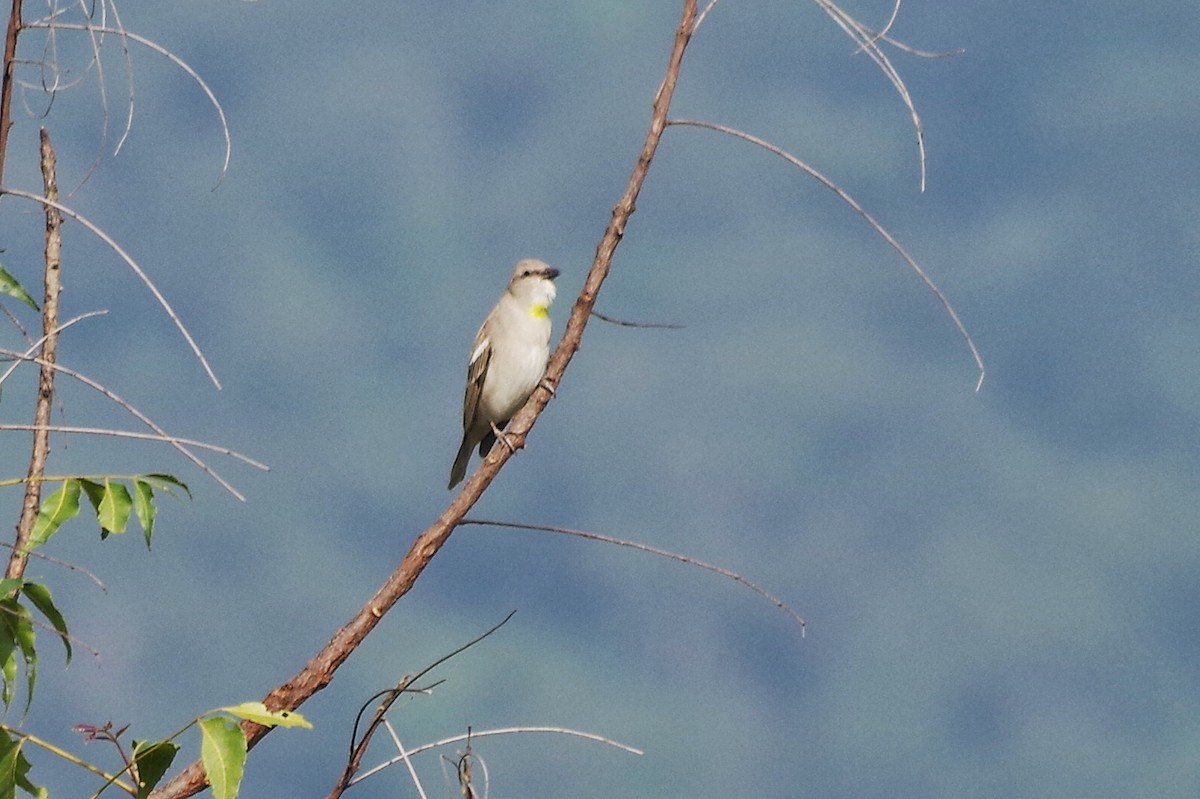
180, 444
318, 672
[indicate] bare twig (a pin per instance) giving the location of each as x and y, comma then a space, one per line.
91, 650
887, 26
359, 749
701, 16
44, 403
133, 434
15, 322
317, 673
132, 264
501, 731
464, 770
64, 564
121, 32
866, 40
165, 53
412, 771
624, 323
26, 357
50, 63
922, 53
175, 442
870, 220
607, 539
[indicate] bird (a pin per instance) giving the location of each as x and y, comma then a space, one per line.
508, 359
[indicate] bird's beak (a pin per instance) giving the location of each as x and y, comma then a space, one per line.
551, 273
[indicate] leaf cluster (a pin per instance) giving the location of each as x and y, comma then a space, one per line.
223, 750
112, 501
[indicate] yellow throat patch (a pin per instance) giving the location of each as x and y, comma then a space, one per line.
540, 311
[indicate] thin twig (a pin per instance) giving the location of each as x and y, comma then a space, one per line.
50, 63
878, 228
132, 264
887, 26
624, 323
141, 417
170, 56
464, 770
500, 731
133, 434
15, 322
700, 17
607, 539
412, 772
359, 749
123, 34
64, 564
899, 45
865, 38
26, 357
36, 622
67, 756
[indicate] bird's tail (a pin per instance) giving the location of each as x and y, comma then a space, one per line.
459, 471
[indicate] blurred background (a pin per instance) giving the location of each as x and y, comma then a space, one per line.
1001, 588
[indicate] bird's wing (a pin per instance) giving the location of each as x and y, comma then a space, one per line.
476, 371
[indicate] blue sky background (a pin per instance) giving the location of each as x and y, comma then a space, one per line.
1001, 588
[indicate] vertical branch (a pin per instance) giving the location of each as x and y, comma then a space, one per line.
49, 354
6, 84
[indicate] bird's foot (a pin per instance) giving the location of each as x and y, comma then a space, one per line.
501, 436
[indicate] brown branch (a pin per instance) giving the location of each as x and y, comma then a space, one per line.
662, 553
359, 750
45, 396
7, 82
318, 672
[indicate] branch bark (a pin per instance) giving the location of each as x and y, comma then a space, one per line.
49, 354
6, 83
318, 672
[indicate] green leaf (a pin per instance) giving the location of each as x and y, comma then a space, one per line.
111, 502
113, 510
39, 595
152, 759
10, 286
166, 482
94, 491
223, 753
95, 495
8, 659
18, 635
258, 713
10, 585
144, 507
14, 769
57, 508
